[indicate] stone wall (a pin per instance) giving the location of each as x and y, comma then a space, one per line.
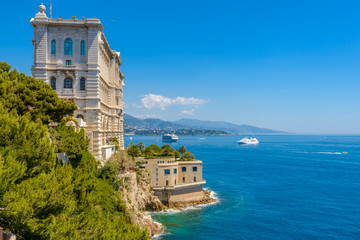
189, 175
180, 195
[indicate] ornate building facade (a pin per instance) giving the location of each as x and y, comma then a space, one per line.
74, 57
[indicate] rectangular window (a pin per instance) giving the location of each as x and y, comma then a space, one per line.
194, 169
82, 84
183, 169
68, 62
53, 47
53, 83
175, 171
194, 179
82, 48
68, 47
167, 171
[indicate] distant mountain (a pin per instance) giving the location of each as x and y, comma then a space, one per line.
150, 123
133, 125
225, 126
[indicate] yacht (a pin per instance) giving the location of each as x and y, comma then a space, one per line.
248, 141
169, 138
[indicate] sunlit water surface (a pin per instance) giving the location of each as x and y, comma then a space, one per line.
286, 187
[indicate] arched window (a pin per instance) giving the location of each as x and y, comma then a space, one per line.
82, 84
67, 83
53, 46
68, 47
82, 48
53, 83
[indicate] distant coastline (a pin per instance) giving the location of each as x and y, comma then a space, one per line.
192, 127
182, 132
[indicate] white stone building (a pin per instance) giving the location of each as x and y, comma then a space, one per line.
74, 57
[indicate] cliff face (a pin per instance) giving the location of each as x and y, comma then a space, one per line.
138, 198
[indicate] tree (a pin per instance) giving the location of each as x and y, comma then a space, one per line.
29, 95
148, 152
141, 146
39, 197
188, 156
133, 150
155, 149
26, 141
71, 142
177, 154
167, 150
182, 150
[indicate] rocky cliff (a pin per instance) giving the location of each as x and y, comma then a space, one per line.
138, 198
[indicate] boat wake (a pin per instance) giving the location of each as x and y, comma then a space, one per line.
336, 153
329, 152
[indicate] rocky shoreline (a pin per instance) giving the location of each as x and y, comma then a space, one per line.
139, 198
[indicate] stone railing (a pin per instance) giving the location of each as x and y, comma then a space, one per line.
67, 91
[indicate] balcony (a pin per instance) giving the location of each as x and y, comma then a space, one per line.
67, 67
67, 92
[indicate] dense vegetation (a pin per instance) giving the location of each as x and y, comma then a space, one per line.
40, 198
154, 151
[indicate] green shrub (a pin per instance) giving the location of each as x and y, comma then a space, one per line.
188, 156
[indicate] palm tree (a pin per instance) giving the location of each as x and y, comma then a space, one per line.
182, 150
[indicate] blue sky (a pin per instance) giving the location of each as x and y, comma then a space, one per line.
286, 65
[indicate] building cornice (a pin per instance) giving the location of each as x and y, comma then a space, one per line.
59, 22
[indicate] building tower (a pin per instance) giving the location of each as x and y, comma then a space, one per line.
74, 57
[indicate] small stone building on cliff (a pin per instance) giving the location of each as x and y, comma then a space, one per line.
176, 181
74, 57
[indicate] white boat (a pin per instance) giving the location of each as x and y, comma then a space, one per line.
169, 138
248, 141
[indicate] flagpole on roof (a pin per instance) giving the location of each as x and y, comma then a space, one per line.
50, 9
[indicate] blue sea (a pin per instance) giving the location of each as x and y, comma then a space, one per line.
286, 187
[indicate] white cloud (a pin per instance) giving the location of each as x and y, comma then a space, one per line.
147, 116
136, 106
151, 101
188, 101
187, 112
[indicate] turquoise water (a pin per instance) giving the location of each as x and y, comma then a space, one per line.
287, 187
